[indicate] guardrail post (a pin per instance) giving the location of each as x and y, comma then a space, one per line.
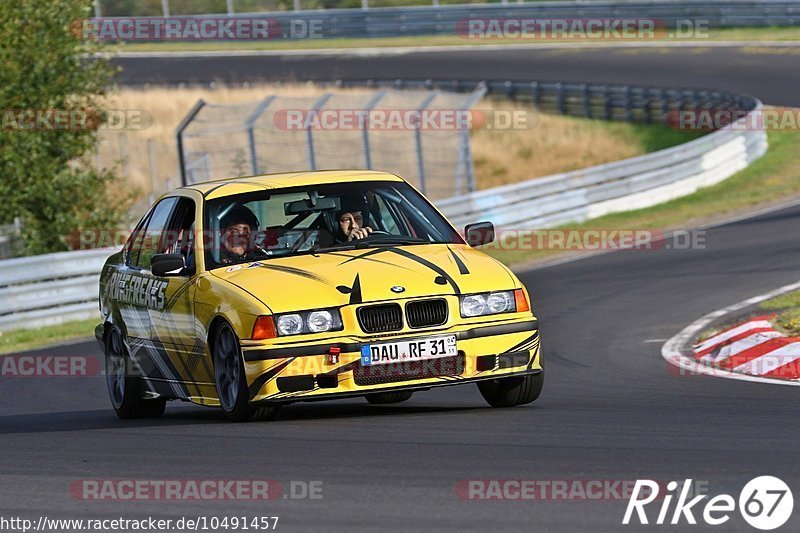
587, 109
562, 100
418, 140
251, 137
365, 5
607, 103
628, 104
296, 5
230, 8
537, 94
179, 137
365, 127
312, 160
165, 8
97, 11
664, 105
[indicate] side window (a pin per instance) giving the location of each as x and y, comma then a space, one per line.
179, 239
386, 216
152, 240
134, 244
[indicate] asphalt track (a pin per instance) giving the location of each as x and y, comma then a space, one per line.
611, 410
771, 73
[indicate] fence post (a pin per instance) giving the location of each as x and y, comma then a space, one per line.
151, 152
165, 7
123, 153
418, 139
97, 11
465, 146
251, 138
231, 9
312, 160
365, 128
179, 137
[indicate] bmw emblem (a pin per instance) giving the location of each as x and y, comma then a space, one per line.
398, 288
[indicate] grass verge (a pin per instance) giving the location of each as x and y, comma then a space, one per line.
785, 307
20, 340
786, 34
787, 310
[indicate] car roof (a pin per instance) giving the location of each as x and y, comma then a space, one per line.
229, 186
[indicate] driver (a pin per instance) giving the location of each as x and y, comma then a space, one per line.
350, 219
238, 226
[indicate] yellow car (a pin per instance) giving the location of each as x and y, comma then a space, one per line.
250, 293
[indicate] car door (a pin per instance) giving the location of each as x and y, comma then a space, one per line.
140, 294
175, 332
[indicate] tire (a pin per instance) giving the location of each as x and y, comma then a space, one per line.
508, 392
125, 390
231, 381
389, 397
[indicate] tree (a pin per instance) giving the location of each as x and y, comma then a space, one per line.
45, 177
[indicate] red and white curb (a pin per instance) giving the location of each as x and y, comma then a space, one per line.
752, 351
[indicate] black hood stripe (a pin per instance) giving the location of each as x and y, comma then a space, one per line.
296, 271
355, 292
425, 262
462, 268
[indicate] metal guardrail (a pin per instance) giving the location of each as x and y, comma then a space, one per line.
52, 288
619, 186
443, 19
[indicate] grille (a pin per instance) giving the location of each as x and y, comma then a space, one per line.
392, 373
380, 318
426, 313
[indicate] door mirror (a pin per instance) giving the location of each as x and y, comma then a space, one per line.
164, 265
479, 233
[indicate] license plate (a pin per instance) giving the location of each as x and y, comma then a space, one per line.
412, 350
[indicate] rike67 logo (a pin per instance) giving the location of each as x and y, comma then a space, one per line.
765, 503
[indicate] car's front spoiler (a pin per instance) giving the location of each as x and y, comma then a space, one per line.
400, 387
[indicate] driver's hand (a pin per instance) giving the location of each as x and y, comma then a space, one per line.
359, 233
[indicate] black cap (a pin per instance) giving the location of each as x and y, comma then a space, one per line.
239, 214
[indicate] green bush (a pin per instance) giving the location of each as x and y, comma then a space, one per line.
45, 178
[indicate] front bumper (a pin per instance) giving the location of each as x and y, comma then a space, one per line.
332, 369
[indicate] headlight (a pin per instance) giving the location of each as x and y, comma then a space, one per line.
501, 302
290, 324
320, 321
490, 303
317, 321
473, 305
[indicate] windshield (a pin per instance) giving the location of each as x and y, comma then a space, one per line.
318, 219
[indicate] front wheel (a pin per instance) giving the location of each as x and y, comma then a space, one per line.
508, 392
231, 381
124, 389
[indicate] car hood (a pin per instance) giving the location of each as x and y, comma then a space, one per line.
338, 278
